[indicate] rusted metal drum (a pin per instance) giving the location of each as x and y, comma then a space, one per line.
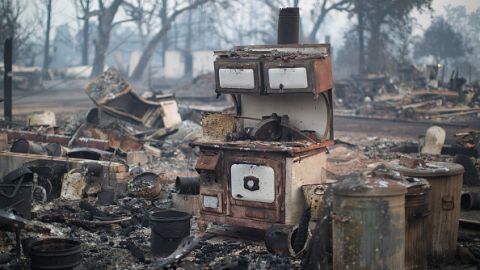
25, 146
416, 213
368, 223
442, 224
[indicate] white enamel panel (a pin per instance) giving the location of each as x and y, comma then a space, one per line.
236, 78
210, 201
266, 176
289, 78
304, 112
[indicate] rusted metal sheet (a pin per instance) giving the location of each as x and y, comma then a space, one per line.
60, 139
115, 138
218, 202
116, 96
323, 75
410, 162
368, 223
208, 161
285, 69
290, 148
241, 222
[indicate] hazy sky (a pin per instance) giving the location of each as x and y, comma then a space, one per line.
439, 9
336, 25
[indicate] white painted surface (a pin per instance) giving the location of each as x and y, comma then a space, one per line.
288, 78
304, 112
73, 185
202, 62
266, 176
170, 115
434, 140
301, 171
80, 72
174, 65
210, 201
236, 78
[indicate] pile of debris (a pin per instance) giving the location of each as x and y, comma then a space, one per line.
100, 172
416, 98
103, 188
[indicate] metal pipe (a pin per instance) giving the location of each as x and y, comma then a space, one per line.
7, 80
187, 185
470, 200
25, 146
288, 25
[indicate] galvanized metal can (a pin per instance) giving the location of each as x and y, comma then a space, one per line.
368, 223
416, 214
446, 183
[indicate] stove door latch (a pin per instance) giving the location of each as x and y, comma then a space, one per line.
251, 183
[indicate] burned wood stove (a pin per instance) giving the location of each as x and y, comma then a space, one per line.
253, 164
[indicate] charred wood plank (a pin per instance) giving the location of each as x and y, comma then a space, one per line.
60, 139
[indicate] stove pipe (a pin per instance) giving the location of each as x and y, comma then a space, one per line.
288, 25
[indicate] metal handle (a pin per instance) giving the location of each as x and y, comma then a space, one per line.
14, 193
448, 203
251, 183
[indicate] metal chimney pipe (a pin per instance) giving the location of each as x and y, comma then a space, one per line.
288, 25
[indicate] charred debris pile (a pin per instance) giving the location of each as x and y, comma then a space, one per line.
262, 185
413, 93
111, 190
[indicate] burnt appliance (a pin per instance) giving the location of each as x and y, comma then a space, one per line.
253, 167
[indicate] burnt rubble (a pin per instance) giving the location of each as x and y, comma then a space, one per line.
117, 235
241, 170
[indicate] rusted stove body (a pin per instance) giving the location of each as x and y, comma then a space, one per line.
257, 183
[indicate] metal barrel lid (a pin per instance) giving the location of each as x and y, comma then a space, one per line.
369, 186
416, 185
432, 169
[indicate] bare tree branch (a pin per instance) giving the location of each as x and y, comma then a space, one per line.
155, 40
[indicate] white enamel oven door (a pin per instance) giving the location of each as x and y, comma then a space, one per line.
252, 182
237, 76
295, 76
255, 182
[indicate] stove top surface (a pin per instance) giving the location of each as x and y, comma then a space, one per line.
291, 147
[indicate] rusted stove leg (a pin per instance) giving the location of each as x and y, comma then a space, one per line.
202, 227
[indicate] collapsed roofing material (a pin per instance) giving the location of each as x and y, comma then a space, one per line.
115, 96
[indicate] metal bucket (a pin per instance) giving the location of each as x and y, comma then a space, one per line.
55, 253
146, 185
368, 223
17, 199
168, 229
442, 224
16, 192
